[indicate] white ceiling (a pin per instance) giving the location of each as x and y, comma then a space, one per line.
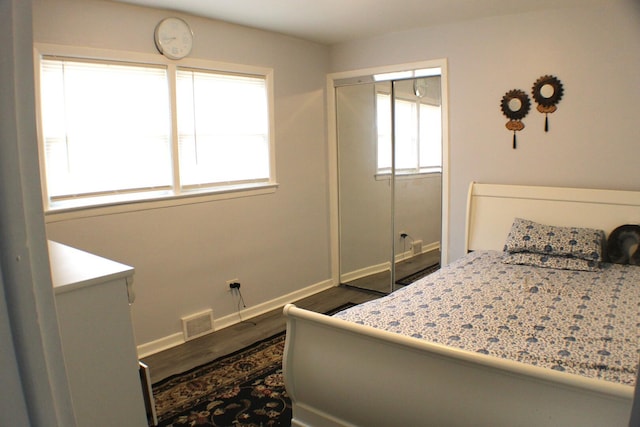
335, 21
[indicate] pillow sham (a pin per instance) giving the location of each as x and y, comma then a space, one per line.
574, 242
550, 261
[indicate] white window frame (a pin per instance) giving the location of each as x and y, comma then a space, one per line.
175, 195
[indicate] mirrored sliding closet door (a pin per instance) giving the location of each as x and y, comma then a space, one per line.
389, 153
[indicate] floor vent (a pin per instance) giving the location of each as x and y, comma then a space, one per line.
197, 325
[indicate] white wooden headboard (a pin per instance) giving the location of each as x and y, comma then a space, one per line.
491, 209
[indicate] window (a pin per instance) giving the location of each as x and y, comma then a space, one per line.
95, 142
418, 139
223, 128
114, 131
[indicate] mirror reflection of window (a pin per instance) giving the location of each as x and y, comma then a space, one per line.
407, 149
430, 138
418, 136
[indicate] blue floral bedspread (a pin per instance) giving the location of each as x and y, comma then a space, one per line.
580, 322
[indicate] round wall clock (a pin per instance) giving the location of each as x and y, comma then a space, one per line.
547, 92
515, 105
174, 38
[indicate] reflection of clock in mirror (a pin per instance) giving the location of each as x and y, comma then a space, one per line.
420, 87
547, 92
174, 38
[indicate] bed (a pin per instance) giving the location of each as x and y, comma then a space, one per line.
345, 370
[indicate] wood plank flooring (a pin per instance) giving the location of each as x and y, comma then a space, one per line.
228, 340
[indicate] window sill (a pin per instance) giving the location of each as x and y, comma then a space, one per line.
409, 175
108, 207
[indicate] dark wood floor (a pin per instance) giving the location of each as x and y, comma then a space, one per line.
228, 340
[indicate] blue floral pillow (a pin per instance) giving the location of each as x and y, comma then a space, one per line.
573, 242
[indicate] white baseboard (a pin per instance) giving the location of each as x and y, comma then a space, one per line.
364, 272
156, 346
435, 246
173, 340
385, 266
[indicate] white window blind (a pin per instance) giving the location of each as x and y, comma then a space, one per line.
106, 127
223, 128
430, 136
406, 140
115, 131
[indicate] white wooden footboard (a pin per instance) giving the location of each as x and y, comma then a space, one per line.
340, 373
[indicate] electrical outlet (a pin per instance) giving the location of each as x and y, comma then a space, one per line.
229, 282
403, 235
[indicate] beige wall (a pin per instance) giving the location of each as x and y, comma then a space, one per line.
593, 138
279, 244
275, 244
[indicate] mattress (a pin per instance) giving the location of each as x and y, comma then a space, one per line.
580, 322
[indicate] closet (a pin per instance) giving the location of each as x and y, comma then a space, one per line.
389, 145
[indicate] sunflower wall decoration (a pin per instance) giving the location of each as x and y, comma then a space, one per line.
547, 92
515, 105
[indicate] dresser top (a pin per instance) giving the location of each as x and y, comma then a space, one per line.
72, 268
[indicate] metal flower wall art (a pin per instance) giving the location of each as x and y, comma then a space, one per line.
515, 105
547, 92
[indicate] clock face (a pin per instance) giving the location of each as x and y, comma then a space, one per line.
174, 38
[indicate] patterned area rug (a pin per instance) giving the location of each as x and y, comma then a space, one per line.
244, 389
418, 275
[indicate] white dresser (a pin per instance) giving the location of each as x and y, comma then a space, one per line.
92, 296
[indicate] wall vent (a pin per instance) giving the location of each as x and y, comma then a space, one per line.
197, 325
416, 245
